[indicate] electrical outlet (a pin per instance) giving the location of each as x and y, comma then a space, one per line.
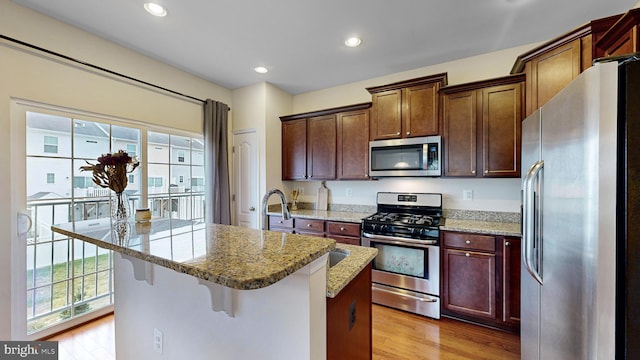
349, 192
157, 340
467, 194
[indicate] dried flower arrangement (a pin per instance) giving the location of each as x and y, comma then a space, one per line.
111, 170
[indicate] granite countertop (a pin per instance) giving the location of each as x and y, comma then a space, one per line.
482, 227
231, 256
346, 270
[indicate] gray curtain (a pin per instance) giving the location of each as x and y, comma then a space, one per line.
216, 165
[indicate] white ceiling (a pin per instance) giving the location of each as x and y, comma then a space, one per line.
302, 41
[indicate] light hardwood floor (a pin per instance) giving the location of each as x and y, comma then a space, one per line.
397, 335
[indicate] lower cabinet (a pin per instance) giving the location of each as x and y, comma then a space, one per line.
342, 232
349, 320
481, 279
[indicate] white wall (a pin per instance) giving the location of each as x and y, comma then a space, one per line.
40, 79
488, 194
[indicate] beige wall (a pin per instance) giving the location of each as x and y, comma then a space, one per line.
38, 78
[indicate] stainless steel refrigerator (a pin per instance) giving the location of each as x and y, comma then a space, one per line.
580, 296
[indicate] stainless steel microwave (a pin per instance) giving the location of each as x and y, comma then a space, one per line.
418, 156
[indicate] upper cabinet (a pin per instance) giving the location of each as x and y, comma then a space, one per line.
553, 65
622, 37
406, 109
353, 145
482, 128
327, 144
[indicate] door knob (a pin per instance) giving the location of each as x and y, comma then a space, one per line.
252, 209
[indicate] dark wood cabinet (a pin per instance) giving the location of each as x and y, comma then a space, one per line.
406, 109
342, 232
349, 320
510, 268
554, 64
309, 227
346, 233
481, 279
326, 144
321, 147
277, 223
353, 145
294, 150
482, 128
622, 37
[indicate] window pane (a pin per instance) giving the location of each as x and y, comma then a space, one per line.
158, 173
131, 150
197, 152
90, 139
42, 129
197, 181
158, 148
48, 178
180, 149
176, 172
125, 138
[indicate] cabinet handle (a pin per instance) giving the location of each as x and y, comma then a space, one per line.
408, 133
473, 171
507, 243
486, 171
252, 209
280, 221
341, 229
398, 133
468, 242
466, 254
308, 225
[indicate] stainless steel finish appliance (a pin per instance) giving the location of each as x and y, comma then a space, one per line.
581, 187
406, 271
418, 156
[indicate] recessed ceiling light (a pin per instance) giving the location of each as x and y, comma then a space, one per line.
353, 41
261, 69
155, 9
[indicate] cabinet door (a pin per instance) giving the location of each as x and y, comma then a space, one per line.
549, 73
321, 148
353, 145
385, 115
294, 149
626, 44
459, 121
501, 130
469, 283
420, 110
511, 280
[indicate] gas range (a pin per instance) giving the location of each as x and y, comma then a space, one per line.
414, 216
406, 271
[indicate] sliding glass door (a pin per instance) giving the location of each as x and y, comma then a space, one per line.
69, 281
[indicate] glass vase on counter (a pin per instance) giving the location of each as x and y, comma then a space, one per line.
120, 207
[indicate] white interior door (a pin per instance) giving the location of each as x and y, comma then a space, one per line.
245, 175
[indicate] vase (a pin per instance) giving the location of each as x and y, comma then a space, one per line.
119, 203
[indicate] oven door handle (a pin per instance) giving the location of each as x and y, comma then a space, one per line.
393, 240
398, 293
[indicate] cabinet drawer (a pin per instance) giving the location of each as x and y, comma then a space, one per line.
345, 239
309, 225
277, 221
469, 241
343, 229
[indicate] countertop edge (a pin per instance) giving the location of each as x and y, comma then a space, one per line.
339, 276
238, 284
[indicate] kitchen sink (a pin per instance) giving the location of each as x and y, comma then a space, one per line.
335, 256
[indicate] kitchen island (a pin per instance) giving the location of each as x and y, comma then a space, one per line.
213, 291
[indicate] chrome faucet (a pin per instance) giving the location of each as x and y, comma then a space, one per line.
285, 209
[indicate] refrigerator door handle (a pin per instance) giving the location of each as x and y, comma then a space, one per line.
528, 221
